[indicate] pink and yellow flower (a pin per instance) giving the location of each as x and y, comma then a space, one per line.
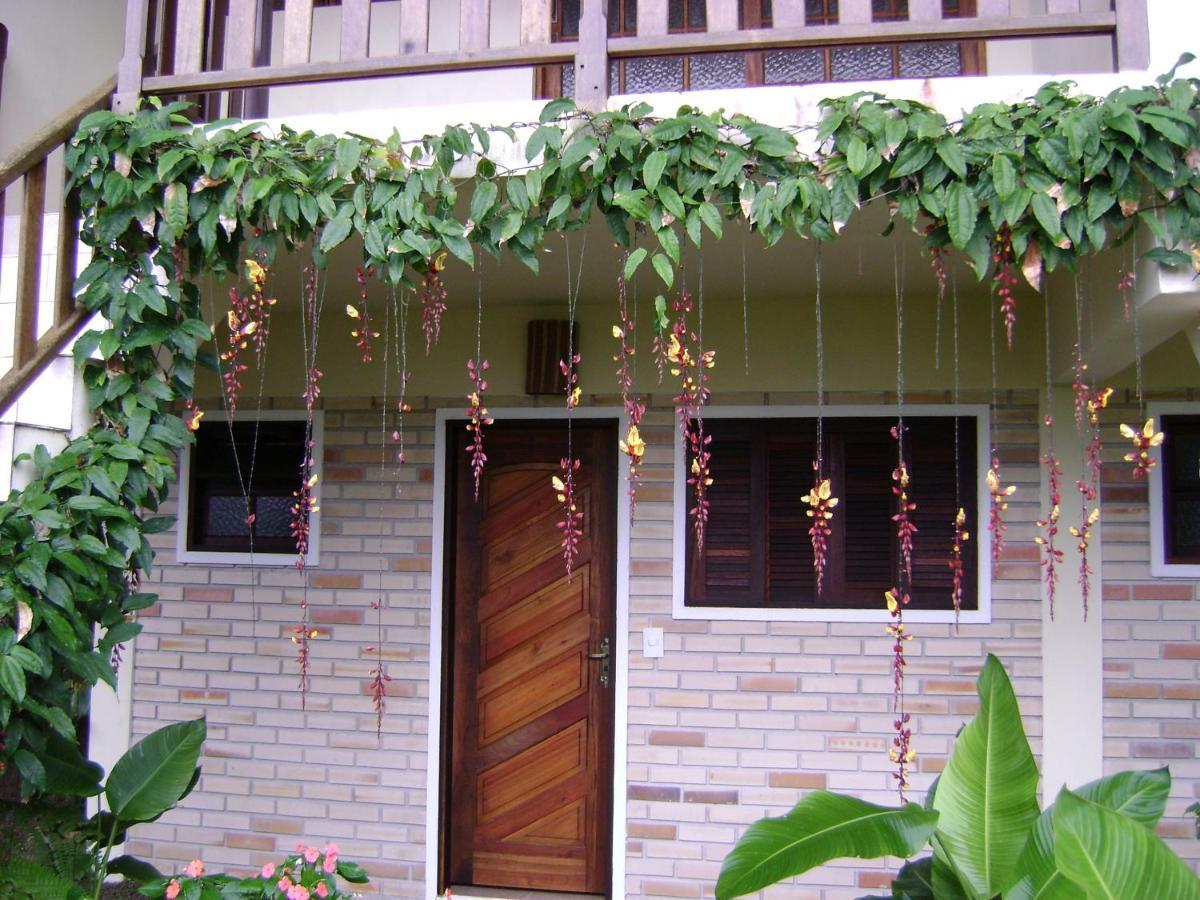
172, 889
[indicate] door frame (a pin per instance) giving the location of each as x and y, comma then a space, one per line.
438, 599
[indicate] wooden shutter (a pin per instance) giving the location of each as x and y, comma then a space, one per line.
790, 448
1181, 489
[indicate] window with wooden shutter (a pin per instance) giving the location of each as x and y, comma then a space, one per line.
1180, 508
757, 550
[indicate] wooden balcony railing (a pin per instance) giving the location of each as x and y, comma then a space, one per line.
33, 346
196, 46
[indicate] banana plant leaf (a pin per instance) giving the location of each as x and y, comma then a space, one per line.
155, 773
821, 827
1141, 796
987, 794
1111, 855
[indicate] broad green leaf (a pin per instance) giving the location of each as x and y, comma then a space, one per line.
669, 241
652, 169
856, 155
153, 775
175, 201
483, 200
821, 827
561, 204
135, 870
711, 218
961, 213
67, 771
12, 678
914, 881
1045, 210
578, 150
1004, 176
665, 270
556, 108
346, 155
1111, 856
951, 154
335, 232
634, 260
1141, 795
987, 795
911, 159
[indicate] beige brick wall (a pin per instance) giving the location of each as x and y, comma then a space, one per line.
1151, 646
735, 721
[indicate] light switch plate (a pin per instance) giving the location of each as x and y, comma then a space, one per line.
652, 643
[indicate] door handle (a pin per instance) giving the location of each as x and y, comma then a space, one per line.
603, 656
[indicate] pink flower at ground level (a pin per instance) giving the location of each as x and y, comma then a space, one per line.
298, 892
322, 890
330, 863
331, 849
194, 869
172, 889
284, 884
268, 870
311, 854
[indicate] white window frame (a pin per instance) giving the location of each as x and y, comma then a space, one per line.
977, 529
235, 558
1159, 567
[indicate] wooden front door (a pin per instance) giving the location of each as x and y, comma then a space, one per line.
530, 719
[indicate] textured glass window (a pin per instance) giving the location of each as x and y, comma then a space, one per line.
717, 70
858, 63
568, 80
889, 10
568, 20
653, 73
794, 66
930, 60
820, 12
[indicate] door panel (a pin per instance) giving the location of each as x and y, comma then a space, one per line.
530, 725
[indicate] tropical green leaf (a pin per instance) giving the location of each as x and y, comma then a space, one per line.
1141, 795
961, 213
150, 778
663, 267
821, 827
1112, 856
67, 771
652, 169
634, 260
987, 795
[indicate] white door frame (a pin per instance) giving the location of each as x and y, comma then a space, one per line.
433, 780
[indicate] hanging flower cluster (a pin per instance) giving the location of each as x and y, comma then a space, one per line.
937, 262
478, 417
433, 301
632, 446
999, 494
379, 675
1125, 287
570, 372
957, 569
690, 364
902, 753
361, 314
1005, 280
821, 503
192, 414
1049, 526
906, 529
1091, 402
1084, 533
1143, 442
302, 509
240, 327
571, 524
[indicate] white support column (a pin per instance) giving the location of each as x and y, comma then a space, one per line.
1072, 648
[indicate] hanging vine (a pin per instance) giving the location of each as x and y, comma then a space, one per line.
1068, 173
632, 445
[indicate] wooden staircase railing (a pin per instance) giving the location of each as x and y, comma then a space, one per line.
30, 164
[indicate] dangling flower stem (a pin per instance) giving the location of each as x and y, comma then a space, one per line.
1052, 556
477, 413
362, 333
961, 535
820, 499
571, 524
632, 446
433, 301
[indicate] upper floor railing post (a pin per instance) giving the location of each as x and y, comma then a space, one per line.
129, 71
591, 56
1131, 48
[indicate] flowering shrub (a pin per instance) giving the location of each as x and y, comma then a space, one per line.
307, 874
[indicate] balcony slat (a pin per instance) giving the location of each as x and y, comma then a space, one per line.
29, 263
239, 35
652, 18
474, 21
994, 9
356, 28
129, 70
1133, 35
788, 14
854, 12
189, 36
722, 15
1058, 7
924, 10
414, 26
535, 22
68, 255
297, 31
